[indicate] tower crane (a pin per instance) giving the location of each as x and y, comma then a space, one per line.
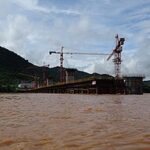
117, 56
62, 59
45, 73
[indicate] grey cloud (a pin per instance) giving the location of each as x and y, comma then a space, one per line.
31, 5
15, 32
33, 39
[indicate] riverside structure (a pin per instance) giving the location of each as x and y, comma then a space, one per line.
96, 85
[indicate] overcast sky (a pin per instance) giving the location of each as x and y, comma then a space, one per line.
32, 28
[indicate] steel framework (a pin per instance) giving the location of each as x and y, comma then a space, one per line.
117, 56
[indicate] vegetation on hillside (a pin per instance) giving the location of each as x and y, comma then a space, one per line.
14, 69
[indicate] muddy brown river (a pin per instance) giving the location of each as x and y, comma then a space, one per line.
74, 122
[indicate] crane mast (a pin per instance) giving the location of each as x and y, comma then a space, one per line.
117, 56
45, 74
61, 65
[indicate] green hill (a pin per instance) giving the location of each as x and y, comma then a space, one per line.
14, 69
11, 65
9, 61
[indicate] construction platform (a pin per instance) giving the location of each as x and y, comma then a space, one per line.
90, 85
95, 85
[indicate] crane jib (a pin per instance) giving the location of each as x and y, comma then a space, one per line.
77, 53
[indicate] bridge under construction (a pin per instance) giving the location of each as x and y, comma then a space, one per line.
95, 85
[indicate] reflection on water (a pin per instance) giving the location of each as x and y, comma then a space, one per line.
74, 122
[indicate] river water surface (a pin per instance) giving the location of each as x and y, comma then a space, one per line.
74, 122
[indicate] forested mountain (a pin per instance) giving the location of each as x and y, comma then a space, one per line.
14, 69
